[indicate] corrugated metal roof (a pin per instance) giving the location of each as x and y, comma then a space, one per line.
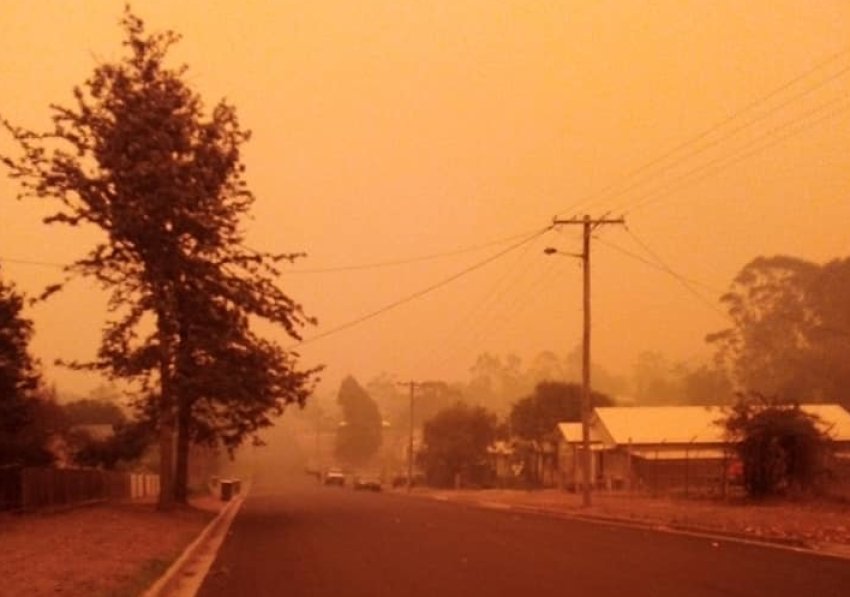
662, 424
642, 425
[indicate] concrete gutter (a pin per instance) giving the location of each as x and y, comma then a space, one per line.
185, 576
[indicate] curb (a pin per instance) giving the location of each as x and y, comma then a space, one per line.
672, 527
168, 582
791, 544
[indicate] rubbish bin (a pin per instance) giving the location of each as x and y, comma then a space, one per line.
227, 487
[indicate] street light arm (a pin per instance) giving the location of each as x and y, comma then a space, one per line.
554, 251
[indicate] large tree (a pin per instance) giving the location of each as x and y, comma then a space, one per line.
536, 416
140, 158
790, 332
456, 441
22, 440
359, 434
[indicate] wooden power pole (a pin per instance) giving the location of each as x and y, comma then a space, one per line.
412, 385
588, 224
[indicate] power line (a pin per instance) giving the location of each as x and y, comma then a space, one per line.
681, 279
645, 170
653, 264
503, 303
734, 132
468, 320
422, 292
421, 258
333, 269
31, 262
701, 172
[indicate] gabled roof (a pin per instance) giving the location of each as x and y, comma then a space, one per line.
658, 425
571, 433
640, 425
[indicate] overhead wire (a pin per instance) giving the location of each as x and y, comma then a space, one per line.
32, 262
333, 269
416, 259
735, 131
649, 169
427, 290
755, 146
652, 264
687, 284
497, 307
470, 317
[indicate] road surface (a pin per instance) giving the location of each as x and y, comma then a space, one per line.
318, 541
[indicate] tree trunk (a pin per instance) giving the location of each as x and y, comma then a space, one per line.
166, 417
183, 405
166, 460
181, 476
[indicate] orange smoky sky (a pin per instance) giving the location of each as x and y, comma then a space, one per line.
388, 131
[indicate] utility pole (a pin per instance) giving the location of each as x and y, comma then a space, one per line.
412, 385
588, 224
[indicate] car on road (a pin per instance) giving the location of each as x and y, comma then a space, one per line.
335, 477
367, 483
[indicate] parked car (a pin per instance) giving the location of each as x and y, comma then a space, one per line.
335, 477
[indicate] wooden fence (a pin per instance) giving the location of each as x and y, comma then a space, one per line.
24, 488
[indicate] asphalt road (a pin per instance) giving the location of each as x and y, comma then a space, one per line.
321, 541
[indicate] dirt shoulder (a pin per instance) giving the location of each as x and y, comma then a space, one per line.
101, 549
819, 525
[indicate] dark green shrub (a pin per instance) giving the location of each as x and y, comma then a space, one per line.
782, 448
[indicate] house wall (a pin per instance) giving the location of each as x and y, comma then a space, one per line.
568, 474
620, 468
567, 470
613, 470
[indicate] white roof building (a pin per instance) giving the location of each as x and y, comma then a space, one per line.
665, 432
571, 434
653, 425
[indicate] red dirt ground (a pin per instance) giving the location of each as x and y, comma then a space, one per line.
100, 549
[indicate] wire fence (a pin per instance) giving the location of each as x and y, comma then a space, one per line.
686, 476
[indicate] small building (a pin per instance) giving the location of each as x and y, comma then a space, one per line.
569, 449
655, 447
672, 447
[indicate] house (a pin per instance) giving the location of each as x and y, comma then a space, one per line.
683, 447
569, 450
661, 446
